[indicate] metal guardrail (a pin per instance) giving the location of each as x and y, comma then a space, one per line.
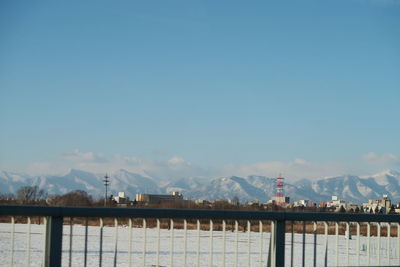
278, 231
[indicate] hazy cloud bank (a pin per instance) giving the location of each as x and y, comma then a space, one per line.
177, 167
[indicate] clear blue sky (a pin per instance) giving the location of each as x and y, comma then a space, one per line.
212, 82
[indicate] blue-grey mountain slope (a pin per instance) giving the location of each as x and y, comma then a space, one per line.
121, 180
350, 188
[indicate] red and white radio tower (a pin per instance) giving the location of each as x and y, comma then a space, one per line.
279, 186
279, 198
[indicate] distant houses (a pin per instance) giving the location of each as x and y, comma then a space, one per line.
121, 199
383, 205
145, 199
304, 203
336, 203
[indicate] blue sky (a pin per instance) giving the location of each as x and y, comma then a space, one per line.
216, 87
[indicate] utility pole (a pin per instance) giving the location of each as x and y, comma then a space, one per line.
106, 184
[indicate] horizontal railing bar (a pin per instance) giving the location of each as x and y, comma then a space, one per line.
193, 214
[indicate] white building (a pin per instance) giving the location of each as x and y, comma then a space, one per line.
381, 205
304, 203
121, 198
175, 197
336, 203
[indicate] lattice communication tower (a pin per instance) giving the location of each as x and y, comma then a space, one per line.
106, 184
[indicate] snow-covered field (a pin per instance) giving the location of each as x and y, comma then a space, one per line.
258, 248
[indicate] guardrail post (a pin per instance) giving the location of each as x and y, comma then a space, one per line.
280, 243
53, 239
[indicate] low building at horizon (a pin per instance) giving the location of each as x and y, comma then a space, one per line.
175, 197
121, 199
304, 203
336, 203
202, 202
353, 207
378, 205
254, 202
280, 200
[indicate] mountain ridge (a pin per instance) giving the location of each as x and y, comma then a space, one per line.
356, 189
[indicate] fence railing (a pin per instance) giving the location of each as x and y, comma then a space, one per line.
175, 237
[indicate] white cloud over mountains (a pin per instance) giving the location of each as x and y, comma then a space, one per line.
295, 169
177, 167
382, 159
174, 167
78, 156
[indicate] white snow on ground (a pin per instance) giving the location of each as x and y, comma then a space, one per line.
256, 259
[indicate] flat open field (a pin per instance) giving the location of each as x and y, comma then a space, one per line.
257, 252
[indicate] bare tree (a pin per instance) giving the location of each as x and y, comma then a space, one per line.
7, 196
74, 198
342, 209
28, 194
357, 210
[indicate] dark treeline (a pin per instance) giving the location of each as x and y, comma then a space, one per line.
32, 195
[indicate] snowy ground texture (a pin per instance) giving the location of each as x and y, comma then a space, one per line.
258, 248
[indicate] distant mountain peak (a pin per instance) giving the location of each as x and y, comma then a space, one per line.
73, 171
388, 172
348, 187
391, 172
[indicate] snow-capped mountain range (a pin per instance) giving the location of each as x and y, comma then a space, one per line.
350, 188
